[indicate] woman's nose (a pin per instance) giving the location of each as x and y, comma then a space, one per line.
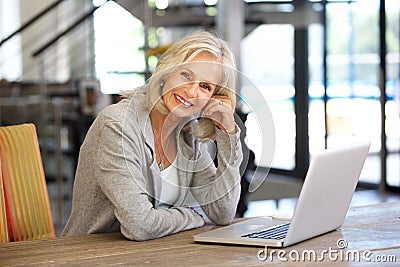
193, 89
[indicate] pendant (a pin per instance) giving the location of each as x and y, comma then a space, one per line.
161, 166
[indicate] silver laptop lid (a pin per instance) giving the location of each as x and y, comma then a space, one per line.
327, 191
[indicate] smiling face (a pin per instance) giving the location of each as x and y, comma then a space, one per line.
188, 89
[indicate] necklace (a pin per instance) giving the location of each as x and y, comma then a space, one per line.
165, 139
160, 151
161, 156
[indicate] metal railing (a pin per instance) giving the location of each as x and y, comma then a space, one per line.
31, 21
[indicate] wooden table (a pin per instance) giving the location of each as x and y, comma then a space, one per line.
374, 230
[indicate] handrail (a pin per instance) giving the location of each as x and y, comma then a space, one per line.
31, 21
67, 30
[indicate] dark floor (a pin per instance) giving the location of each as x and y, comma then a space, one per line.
285, 206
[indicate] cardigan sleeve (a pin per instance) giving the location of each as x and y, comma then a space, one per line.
217, 190
123, 179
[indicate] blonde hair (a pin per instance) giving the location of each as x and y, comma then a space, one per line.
184, 51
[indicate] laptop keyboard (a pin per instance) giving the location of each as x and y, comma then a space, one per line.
274, 232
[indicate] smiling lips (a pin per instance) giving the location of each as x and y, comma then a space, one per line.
181, 100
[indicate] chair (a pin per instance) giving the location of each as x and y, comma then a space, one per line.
3, 221
26, 201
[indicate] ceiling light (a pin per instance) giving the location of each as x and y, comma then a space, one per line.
161, 4
210, 2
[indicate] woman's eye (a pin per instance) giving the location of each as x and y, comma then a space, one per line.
186, 75
206, 86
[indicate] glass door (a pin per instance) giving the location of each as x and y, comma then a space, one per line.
392, 88
355, 108
340, 62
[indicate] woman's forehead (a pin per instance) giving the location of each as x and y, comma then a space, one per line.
207, 71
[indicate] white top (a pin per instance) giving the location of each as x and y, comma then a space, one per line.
170, 189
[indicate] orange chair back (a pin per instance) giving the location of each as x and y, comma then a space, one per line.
3, 220
26, 200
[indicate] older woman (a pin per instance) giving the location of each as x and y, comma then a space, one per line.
146, 161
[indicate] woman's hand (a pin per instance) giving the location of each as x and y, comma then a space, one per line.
220, 110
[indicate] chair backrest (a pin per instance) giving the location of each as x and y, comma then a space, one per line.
26, 199
3, 220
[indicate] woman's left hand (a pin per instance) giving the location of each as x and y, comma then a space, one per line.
220, 110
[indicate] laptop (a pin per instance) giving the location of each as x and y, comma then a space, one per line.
321, 207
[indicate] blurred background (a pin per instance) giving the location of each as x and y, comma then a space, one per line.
329, 71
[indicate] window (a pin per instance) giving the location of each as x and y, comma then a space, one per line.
10, 51
267, 61
119, 43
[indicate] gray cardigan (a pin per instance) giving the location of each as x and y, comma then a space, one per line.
118, 183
